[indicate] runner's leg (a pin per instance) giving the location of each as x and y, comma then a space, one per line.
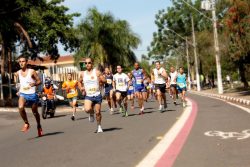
21, 104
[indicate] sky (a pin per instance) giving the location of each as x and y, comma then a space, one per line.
140, 14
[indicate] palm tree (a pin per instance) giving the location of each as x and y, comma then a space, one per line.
108, 41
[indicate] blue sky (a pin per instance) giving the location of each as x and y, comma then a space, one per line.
139, 13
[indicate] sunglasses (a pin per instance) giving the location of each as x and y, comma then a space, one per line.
88, 62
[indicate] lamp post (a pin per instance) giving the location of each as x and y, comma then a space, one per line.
210, 5
195, 56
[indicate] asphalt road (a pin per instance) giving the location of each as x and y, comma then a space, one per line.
126, 141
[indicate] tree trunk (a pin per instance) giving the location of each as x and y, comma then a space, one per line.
9, 65
242, 70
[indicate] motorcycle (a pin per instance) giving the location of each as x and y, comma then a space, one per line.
48, 107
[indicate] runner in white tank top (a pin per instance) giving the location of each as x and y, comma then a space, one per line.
159, 77
173, 75
89, 84
27, 93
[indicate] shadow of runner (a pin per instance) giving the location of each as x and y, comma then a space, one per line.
46, 134
57, 116
111, 129
78, 119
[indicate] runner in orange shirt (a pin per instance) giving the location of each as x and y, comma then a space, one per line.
70, 86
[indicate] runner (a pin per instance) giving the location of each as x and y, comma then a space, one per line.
130, 93
120, 83
108, 87
89, 83
145, 90
70, 86
173, 75
29, 80
159, 77
139, 75
182, 85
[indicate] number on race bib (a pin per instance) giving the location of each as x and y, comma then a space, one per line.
109, 81
181, 85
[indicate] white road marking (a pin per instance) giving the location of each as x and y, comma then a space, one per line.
155, 154
228, 135
236, 105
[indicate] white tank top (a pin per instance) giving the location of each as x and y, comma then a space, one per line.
158, 78
25, 83
91, 84
173, 76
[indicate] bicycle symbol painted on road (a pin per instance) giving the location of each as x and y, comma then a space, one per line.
228, 135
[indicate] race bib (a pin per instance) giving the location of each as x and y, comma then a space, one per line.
131, 88
138, 81
181, 85
109, 81
91, 91
72, 91
120, 82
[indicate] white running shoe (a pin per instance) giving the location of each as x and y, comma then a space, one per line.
91, 118
160, 107
99, 129
111, 111
184, 104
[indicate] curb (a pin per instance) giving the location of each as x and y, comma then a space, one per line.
227, 98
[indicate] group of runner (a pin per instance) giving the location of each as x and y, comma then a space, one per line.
118, 88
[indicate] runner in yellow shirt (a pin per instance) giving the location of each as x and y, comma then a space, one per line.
70, 86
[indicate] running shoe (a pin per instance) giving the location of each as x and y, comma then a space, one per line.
25, 127
141, 111
184, 104
121, 110
91, 118
99, 129
175, 103
111, 111
39, 131
72, 117
160, 107
125, 114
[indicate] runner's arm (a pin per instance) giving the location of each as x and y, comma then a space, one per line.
102, 79
36, 78
80, 83
152, 76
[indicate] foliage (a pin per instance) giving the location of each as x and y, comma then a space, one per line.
107, 40
45, 22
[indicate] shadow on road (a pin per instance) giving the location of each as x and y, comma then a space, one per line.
57, 116
46, 134
111, 129
167, 111
78, 119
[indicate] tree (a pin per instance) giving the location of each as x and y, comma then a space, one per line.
107, 40
238, 29
39, 25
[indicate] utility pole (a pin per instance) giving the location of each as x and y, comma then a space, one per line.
217, 50
195, 58
188, 66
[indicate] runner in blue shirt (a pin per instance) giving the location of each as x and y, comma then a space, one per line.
138, 74
182, 85
130, 93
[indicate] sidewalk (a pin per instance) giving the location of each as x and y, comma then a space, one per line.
235, 96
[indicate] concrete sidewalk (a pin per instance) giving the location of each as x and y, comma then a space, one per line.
240, 97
